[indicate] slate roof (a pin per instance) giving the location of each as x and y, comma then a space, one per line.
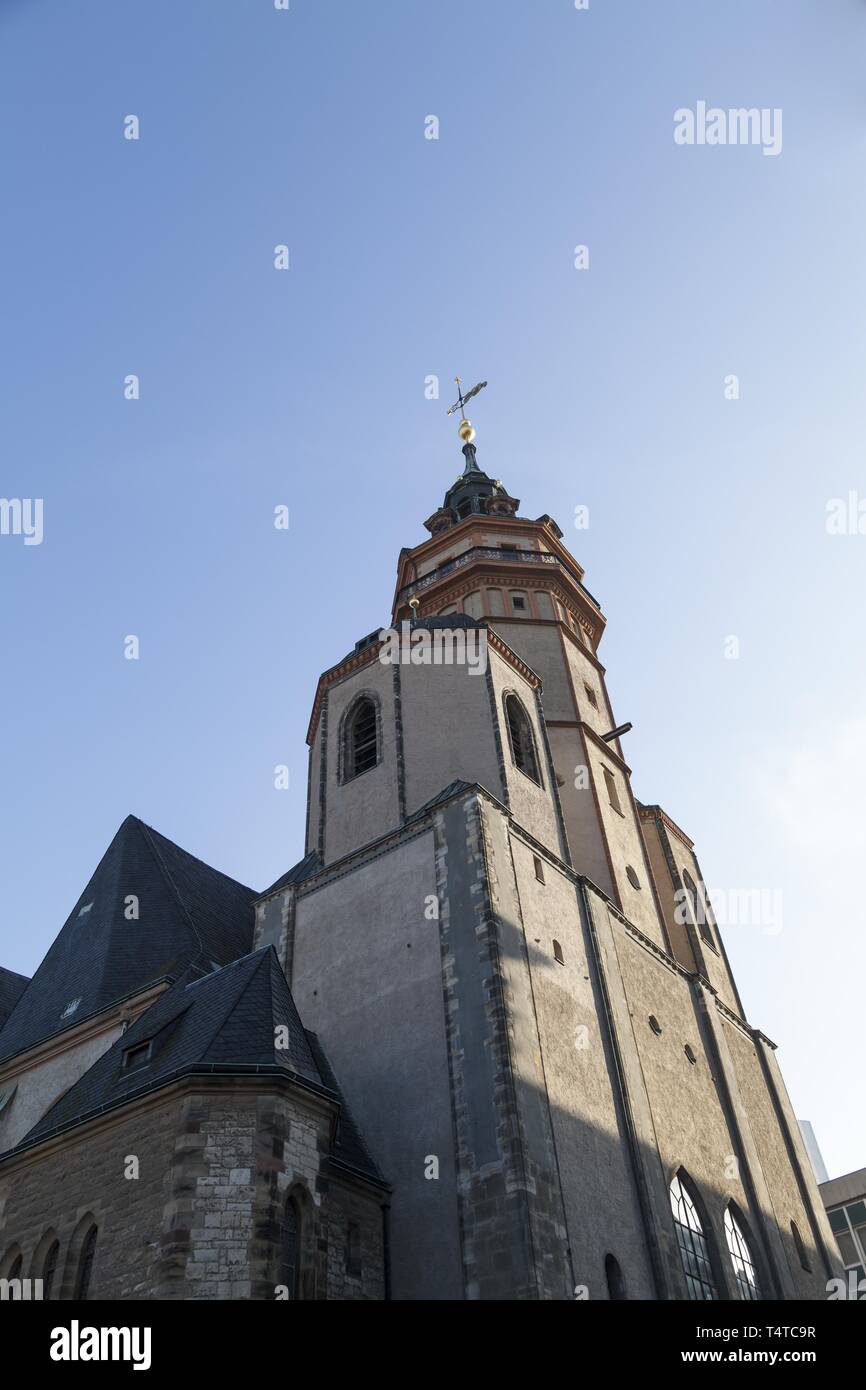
12, 987
188, 913
453, 789
348, 1142
305, 868
225, 1021
312, 863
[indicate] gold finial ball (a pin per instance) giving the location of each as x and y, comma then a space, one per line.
466, 431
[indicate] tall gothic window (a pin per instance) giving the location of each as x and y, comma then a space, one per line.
615, 1282
741, 1258
13, 1258
49, 1268
361, 740
290, 1249
521, 738
697, 908
692, 1242
85, 1265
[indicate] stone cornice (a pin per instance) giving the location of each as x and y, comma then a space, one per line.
125, 1010
515, 575
357, 660
410, 555
353, 662
603, 747
656, 813
174, 1086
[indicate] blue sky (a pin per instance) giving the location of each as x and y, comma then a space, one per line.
411, 257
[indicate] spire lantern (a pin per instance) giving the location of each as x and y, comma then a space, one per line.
473, 494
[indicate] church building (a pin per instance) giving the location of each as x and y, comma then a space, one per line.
482, 1041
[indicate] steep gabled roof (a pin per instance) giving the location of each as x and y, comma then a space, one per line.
12, 986
349, 1144
234, 1020
187, 913
225, 1020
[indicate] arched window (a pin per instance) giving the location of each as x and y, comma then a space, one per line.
45, 1261
801, 1249
697, 909
49, 1268
615, 1282
290, 1250
360, 749
741, 1257
521, 738
11, 1263
85, 1265
692, 1242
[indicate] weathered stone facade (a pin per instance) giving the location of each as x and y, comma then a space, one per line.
508, 961
187, 1193
555, 1035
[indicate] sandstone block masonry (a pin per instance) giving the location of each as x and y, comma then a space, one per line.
188, 1193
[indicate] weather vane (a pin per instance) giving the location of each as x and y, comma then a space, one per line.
466, 430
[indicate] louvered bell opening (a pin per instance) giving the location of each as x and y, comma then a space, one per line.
364, 741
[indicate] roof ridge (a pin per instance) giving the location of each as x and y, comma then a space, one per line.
233, 1004
148, 835
158, 835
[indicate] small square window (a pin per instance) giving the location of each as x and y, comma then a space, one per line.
518, 603
557, 953
539, 868
137, 1056
655, 1025
591, 695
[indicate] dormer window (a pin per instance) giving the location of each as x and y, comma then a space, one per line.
71, 1007
137, 1056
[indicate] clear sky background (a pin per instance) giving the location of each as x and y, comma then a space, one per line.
412, 257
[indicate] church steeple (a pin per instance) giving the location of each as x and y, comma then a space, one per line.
474, 492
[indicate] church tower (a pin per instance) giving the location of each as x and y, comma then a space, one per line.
512, 964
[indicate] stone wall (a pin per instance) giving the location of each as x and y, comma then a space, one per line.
203, 1218
66, 1184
